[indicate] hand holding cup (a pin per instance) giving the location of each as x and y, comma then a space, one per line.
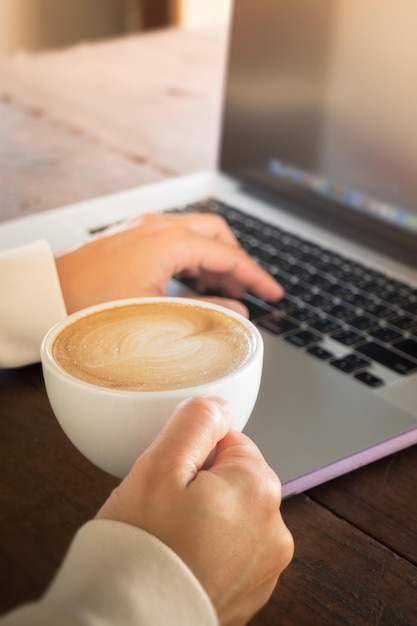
223, 521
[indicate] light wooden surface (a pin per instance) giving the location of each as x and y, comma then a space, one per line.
153, 99
100, 118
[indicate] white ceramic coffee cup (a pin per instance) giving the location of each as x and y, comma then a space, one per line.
112, 427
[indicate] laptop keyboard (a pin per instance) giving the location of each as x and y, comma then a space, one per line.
371, 315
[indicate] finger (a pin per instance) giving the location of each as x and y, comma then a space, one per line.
193, 431
207, 243
214, 256
237, 454
236, 448
232, 287
220, 283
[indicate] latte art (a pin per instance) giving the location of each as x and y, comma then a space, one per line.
152, 346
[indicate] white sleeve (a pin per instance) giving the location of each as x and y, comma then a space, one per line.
31, 302
117, 574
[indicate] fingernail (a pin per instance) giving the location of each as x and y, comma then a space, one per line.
224, 405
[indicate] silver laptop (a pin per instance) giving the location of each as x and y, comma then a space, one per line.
318, 180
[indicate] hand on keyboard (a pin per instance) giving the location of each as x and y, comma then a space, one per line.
138, 258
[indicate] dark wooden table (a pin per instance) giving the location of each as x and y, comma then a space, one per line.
92, 120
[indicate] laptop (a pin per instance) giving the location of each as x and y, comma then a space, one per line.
317, 178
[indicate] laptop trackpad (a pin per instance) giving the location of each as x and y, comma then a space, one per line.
309, 415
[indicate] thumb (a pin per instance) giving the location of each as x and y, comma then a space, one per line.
182, 447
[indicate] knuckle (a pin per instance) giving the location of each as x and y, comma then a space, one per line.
286, 543
269, 484
221, 222
281, 545
271, 494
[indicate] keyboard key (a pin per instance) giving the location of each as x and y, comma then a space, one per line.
385, 334
403, 322
317, 280
281, 263
301, 273
284, 281
369, 379
325, 326
296, 290
259, 253
348, 337
399, 286
350, 363
320, 353
317, 300
349, 276
364, 284
336, 290
284, 305
288, 248
303, 338
277, 325
379, 310
310, 258
302, 314
356, 300
390, 359
409, 346
393, 297
363, 322
341, 312
376, 289
411, 308
255, 306
330, 268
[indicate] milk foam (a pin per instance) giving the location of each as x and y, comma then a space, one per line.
152, 346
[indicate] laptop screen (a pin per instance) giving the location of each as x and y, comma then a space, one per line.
321, 106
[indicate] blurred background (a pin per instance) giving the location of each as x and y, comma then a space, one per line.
34, 25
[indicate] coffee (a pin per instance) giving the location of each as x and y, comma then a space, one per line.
152, 346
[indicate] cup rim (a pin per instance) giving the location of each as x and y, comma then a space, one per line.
48, 360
